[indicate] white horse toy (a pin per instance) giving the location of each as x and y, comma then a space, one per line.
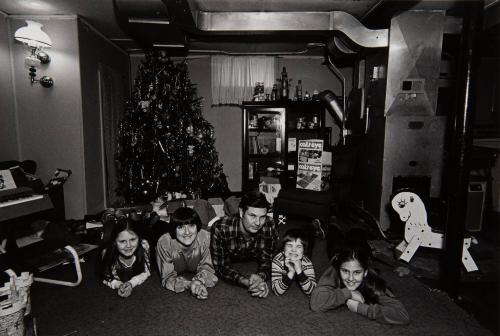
411, 210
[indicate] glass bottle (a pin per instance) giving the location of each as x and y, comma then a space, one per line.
284, 84
298, 90
274, 93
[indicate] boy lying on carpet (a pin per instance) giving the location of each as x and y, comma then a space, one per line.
125, 259
186, 248
350, 281
292, 263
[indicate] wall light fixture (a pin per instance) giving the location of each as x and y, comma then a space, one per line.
36, 40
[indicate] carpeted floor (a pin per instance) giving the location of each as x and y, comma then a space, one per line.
92, 309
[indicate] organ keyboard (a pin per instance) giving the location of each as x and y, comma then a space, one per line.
22, 201
16, 196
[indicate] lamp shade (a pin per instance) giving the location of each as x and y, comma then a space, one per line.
33, 35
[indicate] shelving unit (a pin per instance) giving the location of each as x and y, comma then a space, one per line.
271, 131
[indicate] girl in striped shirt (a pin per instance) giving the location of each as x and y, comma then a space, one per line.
292, 264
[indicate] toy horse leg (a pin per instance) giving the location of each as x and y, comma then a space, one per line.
469, 263
433, 239
401, 246
410, 250
399, 249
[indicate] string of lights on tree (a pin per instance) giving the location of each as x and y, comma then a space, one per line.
165, 144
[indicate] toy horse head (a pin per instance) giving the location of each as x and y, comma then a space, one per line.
409, 207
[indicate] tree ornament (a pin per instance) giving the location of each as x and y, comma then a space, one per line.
144, 104
189, 130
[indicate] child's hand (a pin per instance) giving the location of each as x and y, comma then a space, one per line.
198, 290
352, 305
294, 265
298, 266
125, 289
357, 296
290, 266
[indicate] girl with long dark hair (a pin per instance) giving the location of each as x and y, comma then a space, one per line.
350, 281
125, 260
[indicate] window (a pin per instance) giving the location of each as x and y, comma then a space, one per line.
234, 77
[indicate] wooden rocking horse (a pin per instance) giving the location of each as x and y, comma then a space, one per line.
411, 210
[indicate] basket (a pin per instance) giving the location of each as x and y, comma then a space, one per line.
15, 304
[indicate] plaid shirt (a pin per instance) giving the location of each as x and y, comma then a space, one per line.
228, 243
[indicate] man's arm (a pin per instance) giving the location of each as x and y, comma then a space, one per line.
221, 257
267, 243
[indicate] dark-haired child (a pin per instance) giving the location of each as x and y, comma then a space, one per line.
186, 248
125, 260
292, 264
351, 281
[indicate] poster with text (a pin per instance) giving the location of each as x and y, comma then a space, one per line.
309, 164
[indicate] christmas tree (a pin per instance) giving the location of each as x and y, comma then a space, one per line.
165, 144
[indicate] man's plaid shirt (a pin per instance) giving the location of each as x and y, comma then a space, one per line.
228, 243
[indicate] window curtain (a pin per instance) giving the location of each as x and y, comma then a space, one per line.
234, 77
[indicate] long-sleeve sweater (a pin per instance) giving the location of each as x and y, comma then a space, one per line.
280, 281
328, 296
114, 280
174, 259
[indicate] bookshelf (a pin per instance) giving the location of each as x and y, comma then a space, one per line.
271, 131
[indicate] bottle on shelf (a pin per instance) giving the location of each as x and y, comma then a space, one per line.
284, 84
262, 96
298, 90
274, 93
256, 92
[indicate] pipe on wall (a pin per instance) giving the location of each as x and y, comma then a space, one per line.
460, 148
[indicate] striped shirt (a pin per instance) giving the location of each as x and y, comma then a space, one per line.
281, 281
229, 244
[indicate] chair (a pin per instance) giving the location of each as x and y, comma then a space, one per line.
315, 205
44, 255
411, 210
75, 259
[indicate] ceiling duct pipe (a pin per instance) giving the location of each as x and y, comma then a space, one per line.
330, 98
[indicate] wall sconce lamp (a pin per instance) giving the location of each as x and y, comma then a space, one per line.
36, 39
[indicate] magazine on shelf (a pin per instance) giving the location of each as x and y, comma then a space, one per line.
314, 165
309, 176
310, 151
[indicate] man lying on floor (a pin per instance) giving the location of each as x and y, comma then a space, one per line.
246, 236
